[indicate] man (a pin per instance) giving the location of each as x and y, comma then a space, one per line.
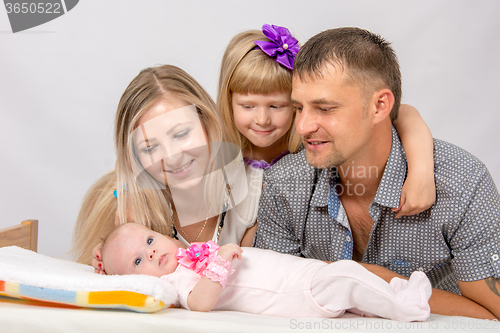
333, 199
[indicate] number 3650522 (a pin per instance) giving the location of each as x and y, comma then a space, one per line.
32, 7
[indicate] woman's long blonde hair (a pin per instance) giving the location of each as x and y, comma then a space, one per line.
150, 206
247, 69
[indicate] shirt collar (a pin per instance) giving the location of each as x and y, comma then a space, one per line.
389, 189
321, 188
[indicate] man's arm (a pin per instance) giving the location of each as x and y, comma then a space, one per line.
476, 244
485, 292
441, 302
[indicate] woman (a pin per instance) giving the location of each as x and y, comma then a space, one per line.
176, 172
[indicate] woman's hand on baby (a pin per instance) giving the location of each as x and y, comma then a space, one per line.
230, 251
97, 259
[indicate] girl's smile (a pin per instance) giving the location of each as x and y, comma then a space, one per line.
262, 119
262, 132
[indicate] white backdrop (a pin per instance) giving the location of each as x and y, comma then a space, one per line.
60, 82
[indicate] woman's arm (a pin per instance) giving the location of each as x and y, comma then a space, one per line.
206, 292
419, 189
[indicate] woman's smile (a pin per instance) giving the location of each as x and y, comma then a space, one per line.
182, 168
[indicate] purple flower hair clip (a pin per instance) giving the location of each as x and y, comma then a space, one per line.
282, 44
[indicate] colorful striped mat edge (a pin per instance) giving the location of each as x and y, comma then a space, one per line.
116, 299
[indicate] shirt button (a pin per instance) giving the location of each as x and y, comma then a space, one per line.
494, 257
347, 238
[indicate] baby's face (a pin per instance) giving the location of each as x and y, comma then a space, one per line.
139, 250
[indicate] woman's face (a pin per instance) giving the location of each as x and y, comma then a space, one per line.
171, 143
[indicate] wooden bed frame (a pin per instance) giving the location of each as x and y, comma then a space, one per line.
24, 235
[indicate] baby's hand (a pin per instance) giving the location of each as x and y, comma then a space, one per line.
97, 259
230, 251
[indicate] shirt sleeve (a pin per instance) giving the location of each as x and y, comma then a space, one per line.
274, 222
184, 281
476, 243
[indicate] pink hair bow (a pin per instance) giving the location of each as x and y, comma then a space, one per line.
195, 257
282, 44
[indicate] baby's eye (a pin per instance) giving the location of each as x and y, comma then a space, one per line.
137, 261
150, 240
247, 106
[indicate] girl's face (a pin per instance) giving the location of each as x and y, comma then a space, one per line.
262, 119
171, 143
139, 250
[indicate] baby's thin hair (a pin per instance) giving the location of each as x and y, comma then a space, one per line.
105, 243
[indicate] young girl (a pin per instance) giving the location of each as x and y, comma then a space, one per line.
172, 151
255, 85
207, 277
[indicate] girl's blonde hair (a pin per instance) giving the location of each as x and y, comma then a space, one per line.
247, 69
95, 219
149, 202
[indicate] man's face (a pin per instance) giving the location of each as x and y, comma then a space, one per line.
333, 118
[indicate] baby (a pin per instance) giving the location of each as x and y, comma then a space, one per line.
207, 277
